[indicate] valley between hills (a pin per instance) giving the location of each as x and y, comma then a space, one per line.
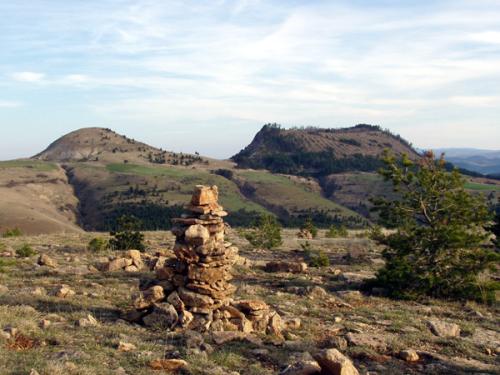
88, 178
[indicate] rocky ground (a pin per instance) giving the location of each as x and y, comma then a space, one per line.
63, 317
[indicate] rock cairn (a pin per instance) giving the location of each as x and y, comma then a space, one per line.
193, 290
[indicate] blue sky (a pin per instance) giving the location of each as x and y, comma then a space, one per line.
206, 75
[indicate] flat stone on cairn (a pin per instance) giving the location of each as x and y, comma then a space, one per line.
197, 282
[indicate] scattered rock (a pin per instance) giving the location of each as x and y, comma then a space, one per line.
227, 336
38, 291
409, 355
118, 264
163, 315
44, 324
150, 296
126, 346
444, 329
63, 291
303, 367
317, 292
169, 365
373, 341
282, 266
45, 260
292, 323
89, 321
333, 362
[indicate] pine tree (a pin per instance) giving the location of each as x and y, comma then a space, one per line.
438, 246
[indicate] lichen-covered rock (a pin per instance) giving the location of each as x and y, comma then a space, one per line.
163, 315
444, 329
333, 362
45, 260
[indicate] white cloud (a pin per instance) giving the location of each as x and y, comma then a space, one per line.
9, 104
250, 61
28, 77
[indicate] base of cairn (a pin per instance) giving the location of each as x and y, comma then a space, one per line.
193, 290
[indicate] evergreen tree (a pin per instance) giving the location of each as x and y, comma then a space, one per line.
127, 236
267, 234
438, 246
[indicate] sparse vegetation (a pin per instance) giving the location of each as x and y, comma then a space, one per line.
25, 251
267, 234
14, 232
437, 248
336, 231
97, 244
127, 236
315, 258
310, 227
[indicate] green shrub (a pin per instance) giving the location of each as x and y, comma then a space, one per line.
376, 233
14, 232
267, 234
437, 248
336, 231
314, 258
309, 226
25, 251
97, 244
127, 236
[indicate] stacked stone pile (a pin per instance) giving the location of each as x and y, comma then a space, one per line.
193, 290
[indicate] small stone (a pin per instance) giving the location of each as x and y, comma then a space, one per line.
252, 305
89, 321
163, 315
333, 362
118, 264
44, 324
34, 372
317, 292
150, 296
282, 266
227, 336
197, 235
409, 355
176, 301
131, 268
292, 323
302, 367
64, 291
444, 329
275, 325
126, 346
205, 195
3, 290
45, 260
70, 366
169, 365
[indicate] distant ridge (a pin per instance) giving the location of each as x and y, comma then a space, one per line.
319, 151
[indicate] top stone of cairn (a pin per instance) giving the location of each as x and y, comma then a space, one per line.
205, 195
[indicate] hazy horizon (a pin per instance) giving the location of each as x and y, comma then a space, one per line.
205, 76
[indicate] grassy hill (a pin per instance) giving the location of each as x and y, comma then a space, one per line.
89, 178
35, 197
320, 152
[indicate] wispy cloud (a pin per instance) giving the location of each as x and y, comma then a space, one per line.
28, 77
408, 66
9, 104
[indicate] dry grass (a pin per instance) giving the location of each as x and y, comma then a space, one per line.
65, 348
